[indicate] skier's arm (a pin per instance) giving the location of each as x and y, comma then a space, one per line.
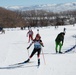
27, 33
29, 45
62, 40
41, 43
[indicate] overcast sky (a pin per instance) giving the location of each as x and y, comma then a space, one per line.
32, 2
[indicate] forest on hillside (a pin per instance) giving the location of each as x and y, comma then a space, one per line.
10, 19
35, 18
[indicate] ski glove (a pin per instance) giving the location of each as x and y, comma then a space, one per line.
43, 46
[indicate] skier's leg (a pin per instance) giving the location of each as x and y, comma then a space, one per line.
56, 48
29, 38
38, 55
60, 47
38, 62
34, 51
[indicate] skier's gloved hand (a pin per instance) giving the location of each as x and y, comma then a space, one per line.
43, 45
28, 47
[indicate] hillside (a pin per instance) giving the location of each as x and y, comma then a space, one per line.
10, 19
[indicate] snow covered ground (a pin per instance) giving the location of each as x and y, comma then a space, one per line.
13, 46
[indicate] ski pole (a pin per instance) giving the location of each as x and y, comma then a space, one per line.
43, 57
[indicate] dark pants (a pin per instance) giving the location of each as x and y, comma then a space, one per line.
34, 51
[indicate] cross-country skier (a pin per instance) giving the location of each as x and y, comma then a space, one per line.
37, 48
30, 35
59, 42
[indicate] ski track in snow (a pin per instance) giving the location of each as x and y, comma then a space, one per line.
13, 46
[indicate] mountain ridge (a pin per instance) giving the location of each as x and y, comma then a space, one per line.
48, 7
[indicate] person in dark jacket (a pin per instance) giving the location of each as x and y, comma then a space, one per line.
59, 41
37, 48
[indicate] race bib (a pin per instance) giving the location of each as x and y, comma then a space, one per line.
37, 45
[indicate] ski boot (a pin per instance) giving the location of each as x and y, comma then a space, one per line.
38, 62
60, 52
26, 61
56, 51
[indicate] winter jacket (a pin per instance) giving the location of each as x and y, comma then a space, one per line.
60, 37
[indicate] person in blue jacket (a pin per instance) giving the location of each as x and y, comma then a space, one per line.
37, 48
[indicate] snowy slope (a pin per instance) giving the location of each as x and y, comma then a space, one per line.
13, 46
